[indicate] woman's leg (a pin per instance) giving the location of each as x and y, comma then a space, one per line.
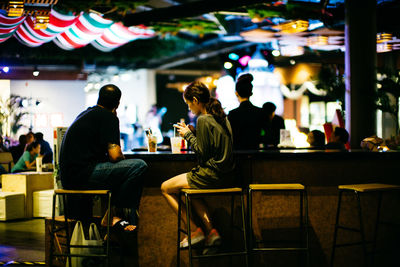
202, 212
170, 190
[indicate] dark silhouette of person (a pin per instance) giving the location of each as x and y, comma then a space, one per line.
45, 149
18, 150
273, 124
338, 139
316, 139
91, 158
3, 148
246, 120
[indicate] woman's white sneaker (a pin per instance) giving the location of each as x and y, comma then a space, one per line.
196, 237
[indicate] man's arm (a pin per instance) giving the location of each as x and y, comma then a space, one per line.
115, 153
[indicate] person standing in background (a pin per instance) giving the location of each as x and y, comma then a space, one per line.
246, 120
273, 125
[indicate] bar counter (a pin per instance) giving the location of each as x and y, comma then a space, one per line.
320, 171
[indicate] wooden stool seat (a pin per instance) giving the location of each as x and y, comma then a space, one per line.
211, 191
259, 187
369, 187
81, 192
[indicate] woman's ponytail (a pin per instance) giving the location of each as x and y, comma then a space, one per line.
213, 107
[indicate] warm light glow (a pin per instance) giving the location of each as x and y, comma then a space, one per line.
383, 37
317, 40
291, 50
293, 26
15, 8
384, 47
292, 62
35, 73
42, 21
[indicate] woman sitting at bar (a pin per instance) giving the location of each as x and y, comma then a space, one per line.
28, 160
212, 142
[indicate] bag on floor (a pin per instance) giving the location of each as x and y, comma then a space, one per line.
78, 238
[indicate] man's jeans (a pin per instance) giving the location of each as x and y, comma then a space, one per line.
124, 179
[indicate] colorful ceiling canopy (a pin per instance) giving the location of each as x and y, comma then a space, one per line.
71, 32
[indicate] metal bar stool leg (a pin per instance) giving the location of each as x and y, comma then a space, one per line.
250, 219
65, 201
364, 245
378, 214
52, 231
187, 198
336, 227
307, 228
232, 209
178, 252
244, 230
108, 228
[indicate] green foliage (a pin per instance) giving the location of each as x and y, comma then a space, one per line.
111, 9
388, 93
11, 114
195, 26
288, 11
332, 82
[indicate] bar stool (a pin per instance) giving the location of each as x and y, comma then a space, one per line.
54, 230
359, 189
188, 193
280, 188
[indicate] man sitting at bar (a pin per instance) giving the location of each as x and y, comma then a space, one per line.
316, 139
91, 158
338, 139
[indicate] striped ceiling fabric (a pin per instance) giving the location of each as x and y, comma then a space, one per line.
71, 32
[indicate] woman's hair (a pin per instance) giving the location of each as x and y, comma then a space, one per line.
213, 107
32, 145
244, 87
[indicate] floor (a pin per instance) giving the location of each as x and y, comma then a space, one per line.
22, 242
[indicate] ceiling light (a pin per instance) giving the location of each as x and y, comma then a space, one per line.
233, 56
293, 26
292, 62
383, 37
244, 60
276, 53
5, 69
228, 65
317, 40
15, 8
35, 72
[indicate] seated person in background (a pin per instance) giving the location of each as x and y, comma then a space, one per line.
18, 150
28, 159
273, 125
316, 139
338, 139
247, 119
45, 149
3, 148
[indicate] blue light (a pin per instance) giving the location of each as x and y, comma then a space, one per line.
233, 56
6, 69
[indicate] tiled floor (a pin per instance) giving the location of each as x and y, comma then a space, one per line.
22, 240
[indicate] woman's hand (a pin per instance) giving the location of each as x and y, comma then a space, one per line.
182, 128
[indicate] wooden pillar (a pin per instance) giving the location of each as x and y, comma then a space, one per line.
360, 69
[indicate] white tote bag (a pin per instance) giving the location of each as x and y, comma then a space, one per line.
78, 238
